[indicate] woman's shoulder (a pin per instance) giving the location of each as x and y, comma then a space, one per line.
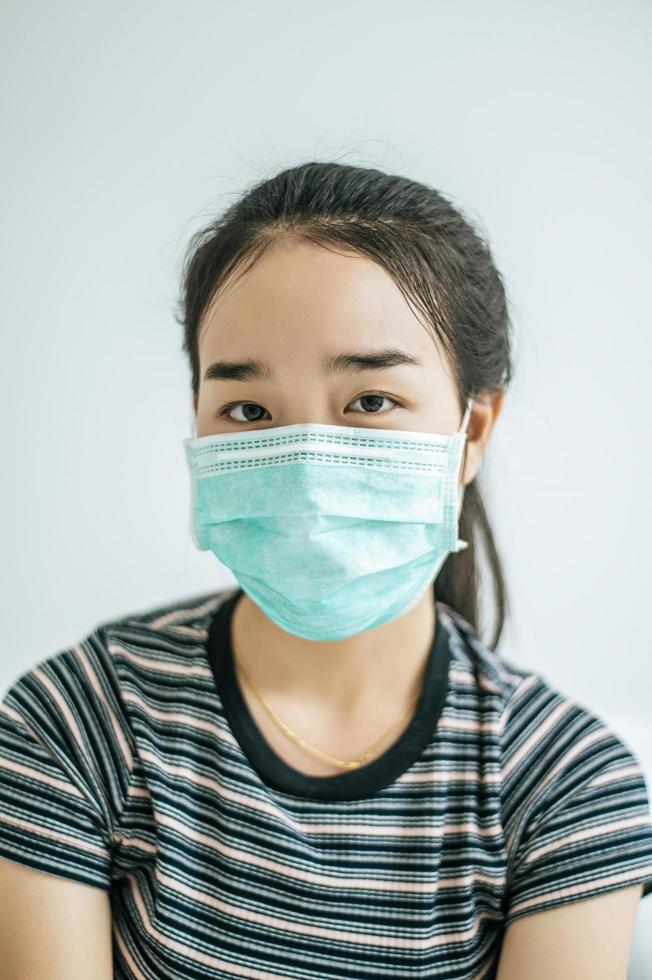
533, 712
475, 664
93, 663
573, 794
68, 744
175, 617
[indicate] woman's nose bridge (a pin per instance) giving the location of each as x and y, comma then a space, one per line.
305, 401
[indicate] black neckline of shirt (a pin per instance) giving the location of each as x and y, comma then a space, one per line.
352, 784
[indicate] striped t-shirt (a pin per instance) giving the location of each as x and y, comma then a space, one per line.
131, 762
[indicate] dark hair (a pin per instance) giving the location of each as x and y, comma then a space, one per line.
438, 260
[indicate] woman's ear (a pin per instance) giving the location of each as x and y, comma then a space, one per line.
484, 414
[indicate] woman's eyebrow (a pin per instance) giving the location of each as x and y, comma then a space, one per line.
257, 370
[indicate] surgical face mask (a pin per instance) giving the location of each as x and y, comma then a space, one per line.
331, 530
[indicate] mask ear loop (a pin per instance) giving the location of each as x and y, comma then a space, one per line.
461, 545
467, 414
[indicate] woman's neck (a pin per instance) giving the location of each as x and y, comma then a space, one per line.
377, 669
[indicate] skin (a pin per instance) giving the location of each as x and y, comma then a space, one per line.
298, 303
590, 939
52, 928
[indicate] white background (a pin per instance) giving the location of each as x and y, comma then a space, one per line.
126, 126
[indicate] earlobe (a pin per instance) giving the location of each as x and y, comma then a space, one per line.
470, 463
481, 423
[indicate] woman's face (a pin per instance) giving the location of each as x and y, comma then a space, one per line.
298, 307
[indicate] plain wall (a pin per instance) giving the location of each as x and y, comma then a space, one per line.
128, 125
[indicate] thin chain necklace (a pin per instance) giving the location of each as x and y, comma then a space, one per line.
353, 763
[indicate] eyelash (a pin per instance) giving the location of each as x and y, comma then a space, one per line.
223, 412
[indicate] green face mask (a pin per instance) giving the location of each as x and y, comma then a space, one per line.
331, 530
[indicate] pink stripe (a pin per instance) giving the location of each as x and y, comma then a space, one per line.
597, 736
542, 728
172, 717
15, 716
74, 842
614, 773
118, 734
540, 735
194, 612
164, 666
578, 835
138, 974
55, 694
450, 776
65, 786
607, 881
465, 677
141, 792
196, 632
449, 722
143, 845
10, 712
526, 683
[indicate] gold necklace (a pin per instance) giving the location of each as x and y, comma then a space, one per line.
354, 763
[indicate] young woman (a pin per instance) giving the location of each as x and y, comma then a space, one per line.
323, 771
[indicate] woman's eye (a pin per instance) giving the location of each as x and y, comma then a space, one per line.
226, 411
372, 403
373, 400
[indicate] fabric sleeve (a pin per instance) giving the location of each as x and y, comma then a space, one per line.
55, 812
577, 805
